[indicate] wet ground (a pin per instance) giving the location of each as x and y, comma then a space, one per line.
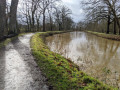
18, 69
96, 56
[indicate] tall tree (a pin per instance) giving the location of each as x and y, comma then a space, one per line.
13, 17
108, 22
99, 10
50, 17
65, 12
45, 5
58, 20
2, 17
62, 17
114, 7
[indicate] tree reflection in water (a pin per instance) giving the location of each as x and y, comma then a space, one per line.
96, 56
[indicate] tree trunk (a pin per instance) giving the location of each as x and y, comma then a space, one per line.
13, 17
51, 24
38, 25
117, 21
115, 15
114, 26
108, 24
30, 21
7, 19
33, 20
59, 27
44, 21
2, 17
27, 21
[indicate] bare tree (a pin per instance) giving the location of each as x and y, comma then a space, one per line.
58, 20
62, 17
45, 5
50, 9
13, 17
31, 14
98, 10
65, 12
114, 7
7, 16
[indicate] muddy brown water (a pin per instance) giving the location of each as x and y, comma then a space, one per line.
96, 56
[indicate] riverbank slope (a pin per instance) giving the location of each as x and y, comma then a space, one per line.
61, 73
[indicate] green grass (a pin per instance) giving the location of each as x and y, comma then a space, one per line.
61, 73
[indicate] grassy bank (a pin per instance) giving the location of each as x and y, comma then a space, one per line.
107, 36
62, 74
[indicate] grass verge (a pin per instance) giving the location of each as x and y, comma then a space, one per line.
62, 74
104, 35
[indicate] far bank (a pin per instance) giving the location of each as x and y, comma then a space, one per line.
104, 35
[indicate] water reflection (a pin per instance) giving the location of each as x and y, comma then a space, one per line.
96, 56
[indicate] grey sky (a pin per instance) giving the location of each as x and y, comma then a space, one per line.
74, 5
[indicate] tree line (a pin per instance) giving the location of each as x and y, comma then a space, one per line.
33, 15
102, 16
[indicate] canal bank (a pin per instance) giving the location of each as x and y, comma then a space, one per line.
104, 35
62, 74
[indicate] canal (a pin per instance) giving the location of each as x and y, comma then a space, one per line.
94, 55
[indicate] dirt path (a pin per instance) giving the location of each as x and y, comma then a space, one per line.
18, 70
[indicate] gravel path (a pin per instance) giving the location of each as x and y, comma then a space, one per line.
18, 70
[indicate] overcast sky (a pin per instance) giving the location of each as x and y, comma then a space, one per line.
75, 6
77, 12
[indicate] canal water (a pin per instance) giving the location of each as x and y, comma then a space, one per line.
96, 56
